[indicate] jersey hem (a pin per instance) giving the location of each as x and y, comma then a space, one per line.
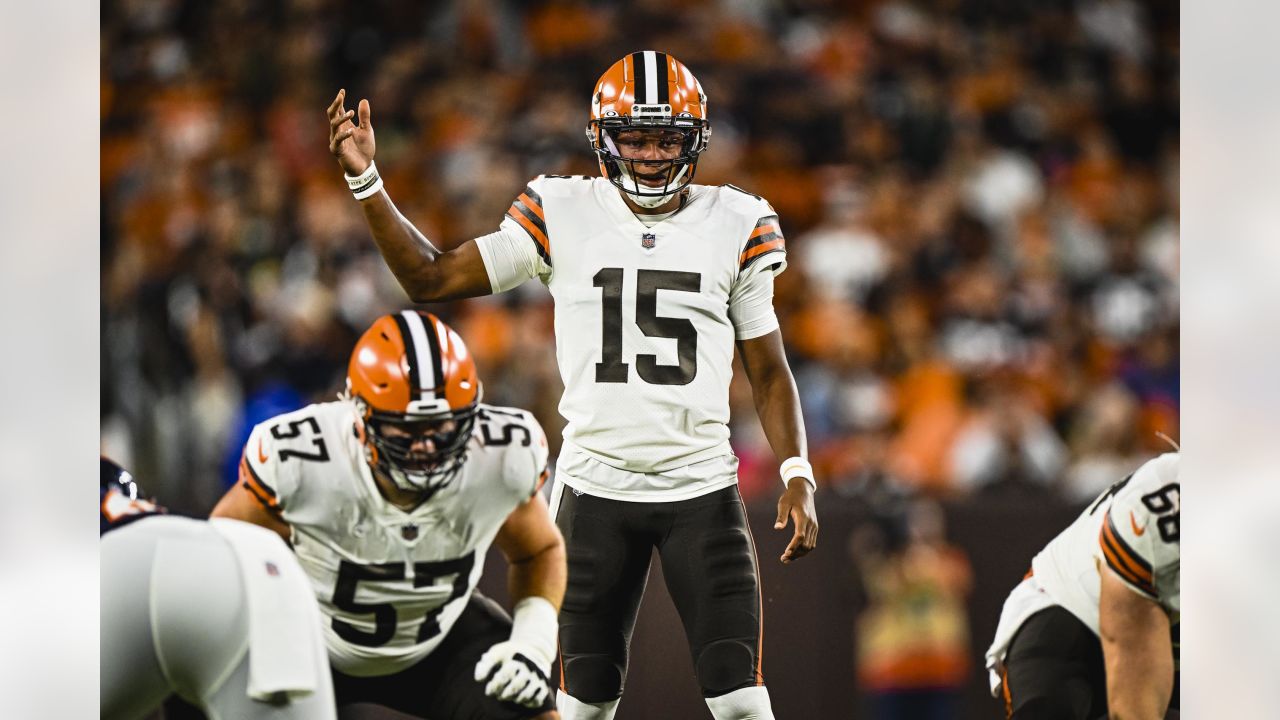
648, 496
721, 448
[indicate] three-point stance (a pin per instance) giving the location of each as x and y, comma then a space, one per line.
391, 497
1092, 630
654, 280
218, 613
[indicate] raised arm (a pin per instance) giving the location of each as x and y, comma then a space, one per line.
778, 405
425, 273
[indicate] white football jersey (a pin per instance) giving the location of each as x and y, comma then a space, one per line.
1132, 528
389, 582
645, 316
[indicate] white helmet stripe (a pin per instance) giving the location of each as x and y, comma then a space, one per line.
421, 349
650, 77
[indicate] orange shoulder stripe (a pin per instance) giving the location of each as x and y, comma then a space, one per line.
760, 250
1123, 560
534, 205
254, 484
766, 228
535, 232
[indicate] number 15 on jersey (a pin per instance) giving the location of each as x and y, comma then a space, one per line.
611, 368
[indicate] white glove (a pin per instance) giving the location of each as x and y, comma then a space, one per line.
519, 669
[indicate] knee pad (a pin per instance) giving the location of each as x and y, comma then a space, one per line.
593, 678
748, 703
725, 665
573, 709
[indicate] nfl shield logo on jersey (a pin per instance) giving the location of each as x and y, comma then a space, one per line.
648, 240
409, 532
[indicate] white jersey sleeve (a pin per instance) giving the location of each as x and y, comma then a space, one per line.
525, 464
764, 247
762, 254
1139, 539
272, 462
521, 249
751, 306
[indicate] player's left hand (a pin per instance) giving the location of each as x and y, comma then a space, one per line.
516, 672
796, 503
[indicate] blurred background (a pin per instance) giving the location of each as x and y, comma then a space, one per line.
980, 199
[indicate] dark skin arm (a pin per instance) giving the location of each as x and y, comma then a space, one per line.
1138, 651
535, 554
778, 405
425, 273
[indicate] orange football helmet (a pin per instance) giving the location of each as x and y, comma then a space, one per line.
415, 386
648, 90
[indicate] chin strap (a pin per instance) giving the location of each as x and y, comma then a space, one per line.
629, 180
649, 201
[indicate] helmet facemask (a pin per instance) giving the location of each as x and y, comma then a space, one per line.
416, 395
418, 453
626, 174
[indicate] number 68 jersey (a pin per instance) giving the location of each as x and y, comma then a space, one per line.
1132, 528
646, 316
390, 582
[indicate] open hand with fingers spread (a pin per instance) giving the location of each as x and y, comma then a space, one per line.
352, 144
796, 503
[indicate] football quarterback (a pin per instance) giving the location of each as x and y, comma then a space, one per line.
218, 613
1093, 627
391, 497
656, 280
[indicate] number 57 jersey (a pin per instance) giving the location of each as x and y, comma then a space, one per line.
645, 315
390, 582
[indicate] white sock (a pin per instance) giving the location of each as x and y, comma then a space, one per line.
573, 709
748, 703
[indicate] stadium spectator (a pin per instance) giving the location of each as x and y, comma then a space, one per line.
962, 188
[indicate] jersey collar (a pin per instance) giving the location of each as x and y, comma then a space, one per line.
610, 198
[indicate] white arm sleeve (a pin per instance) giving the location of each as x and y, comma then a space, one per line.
751, 306
510, 257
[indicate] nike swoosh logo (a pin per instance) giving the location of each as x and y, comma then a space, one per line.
262, 457
1139, 531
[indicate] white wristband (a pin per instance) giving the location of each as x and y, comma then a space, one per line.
795, 467
366, 184
535, 623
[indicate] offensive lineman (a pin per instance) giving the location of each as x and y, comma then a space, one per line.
217, 612
391, 496
654, 280
1093, 627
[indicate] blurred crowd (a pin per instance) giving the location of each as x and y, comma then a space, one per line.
980, 199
